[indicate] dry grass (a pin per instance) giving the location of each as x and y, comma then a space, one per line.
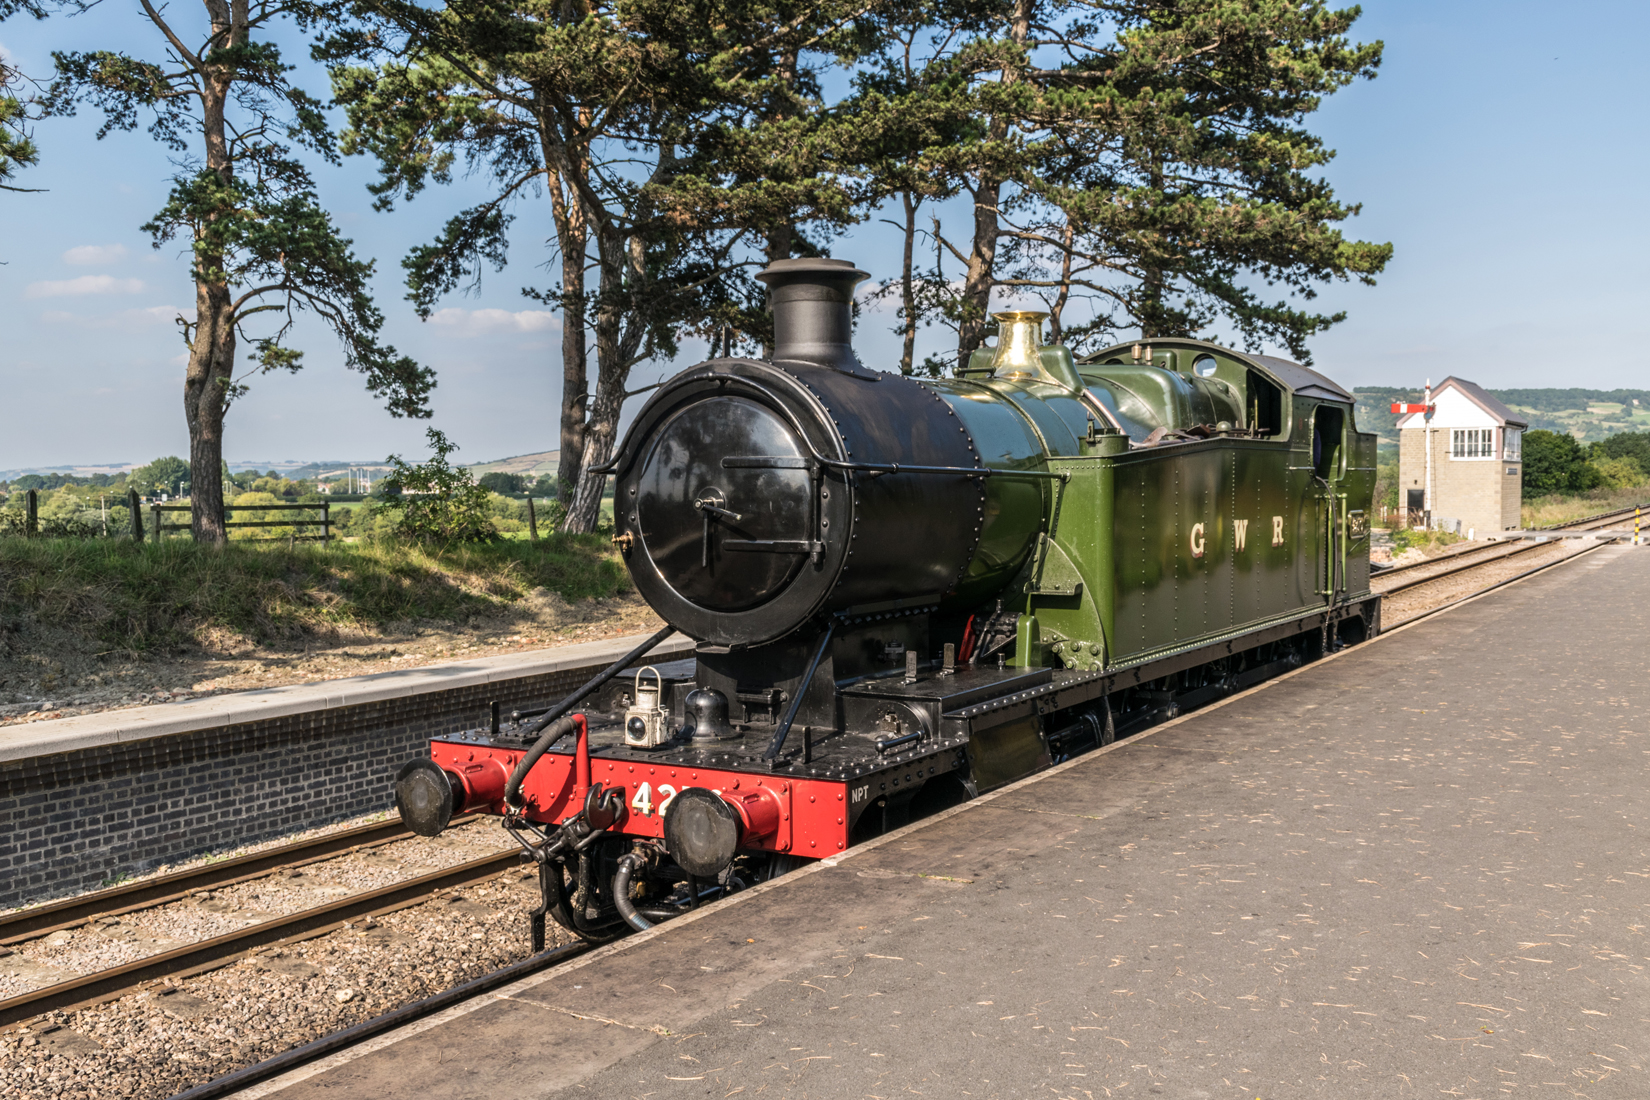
144, 598
1551, 510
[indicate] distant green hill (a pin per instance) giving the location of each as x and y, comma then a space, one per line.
1586, 414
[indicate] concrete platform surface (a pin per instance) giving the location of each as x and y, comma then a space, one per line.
1420, 868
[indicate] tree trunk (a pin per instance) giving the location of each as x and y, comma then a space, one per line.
1151, 290
908, 294
981, 276
212, 349
1057, 309
585, 512
211, 359
572, 235
612, 372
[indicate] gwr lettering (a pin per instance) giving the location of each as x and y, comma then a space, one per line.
1197, 540
1277, 530
1240, 531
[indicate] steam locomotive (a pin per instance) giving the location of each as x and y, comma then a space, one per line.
905, 592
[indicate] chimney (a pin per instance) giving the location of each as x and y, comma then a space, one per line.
812, 305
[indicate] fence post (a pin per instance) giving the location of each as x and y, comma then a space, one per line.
137, 514
532, 520
154, 514
326, 523
31, 515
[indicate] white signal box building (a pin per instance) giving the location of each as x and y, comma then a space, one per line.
1461, 469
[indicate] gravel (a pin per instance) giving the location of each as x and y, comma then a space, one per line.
115, 940
1399, 609
155, 1043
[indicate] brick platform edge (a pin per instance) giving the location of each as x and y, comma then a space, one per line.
84, 800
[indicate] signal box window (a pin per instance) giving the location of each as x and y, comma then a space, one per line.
1512, 445
1472, 443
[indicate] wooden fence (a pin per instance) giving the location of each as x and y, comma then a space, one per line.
158, 513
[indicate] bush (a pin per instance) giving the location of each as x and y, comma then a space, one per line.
500, 482
1555, 463
163, 475
436, 502
1618, 473
1633, 445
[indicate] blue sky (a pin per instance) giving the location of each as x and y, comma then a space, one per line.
1501, 150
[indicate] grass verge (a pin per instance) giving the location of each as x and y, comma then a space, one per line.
149, 597
1546, 511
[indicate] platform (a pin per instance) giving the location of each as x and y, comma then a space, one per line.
174, 780
1419, 868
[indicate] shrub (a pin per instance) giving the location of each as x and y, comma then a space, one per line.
1554, 462
436, 502
500, 482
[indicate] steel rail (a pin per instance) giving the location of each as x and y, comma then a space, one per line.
108, 984
1543, 567
27, 924
1447, 556
1601, 519
1476, 563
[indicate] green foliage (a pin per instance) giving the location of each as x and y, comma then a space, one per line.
17, 148
1149, 160
499, 481
70, 511
544, 486
163, 475
435, 501
1633, 445
141, 597
17, 109
1201, 197
269, 234
1386, 485
1618, 473
1555, 463
1373, 409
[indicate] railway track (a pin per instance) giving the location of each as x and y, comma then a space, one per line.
197, 957
1487, 554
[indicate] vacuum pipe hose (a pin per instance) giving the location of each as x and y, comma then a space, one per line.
621, 894
555, 732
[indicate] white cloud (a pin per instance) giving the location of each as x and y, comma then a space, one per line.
125, 319
86, 284
162, 314
476, 322
90, 255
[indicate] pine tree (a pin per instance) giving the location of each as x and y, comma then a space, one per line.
17, 148
260, 242
671, 139
1148, 158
